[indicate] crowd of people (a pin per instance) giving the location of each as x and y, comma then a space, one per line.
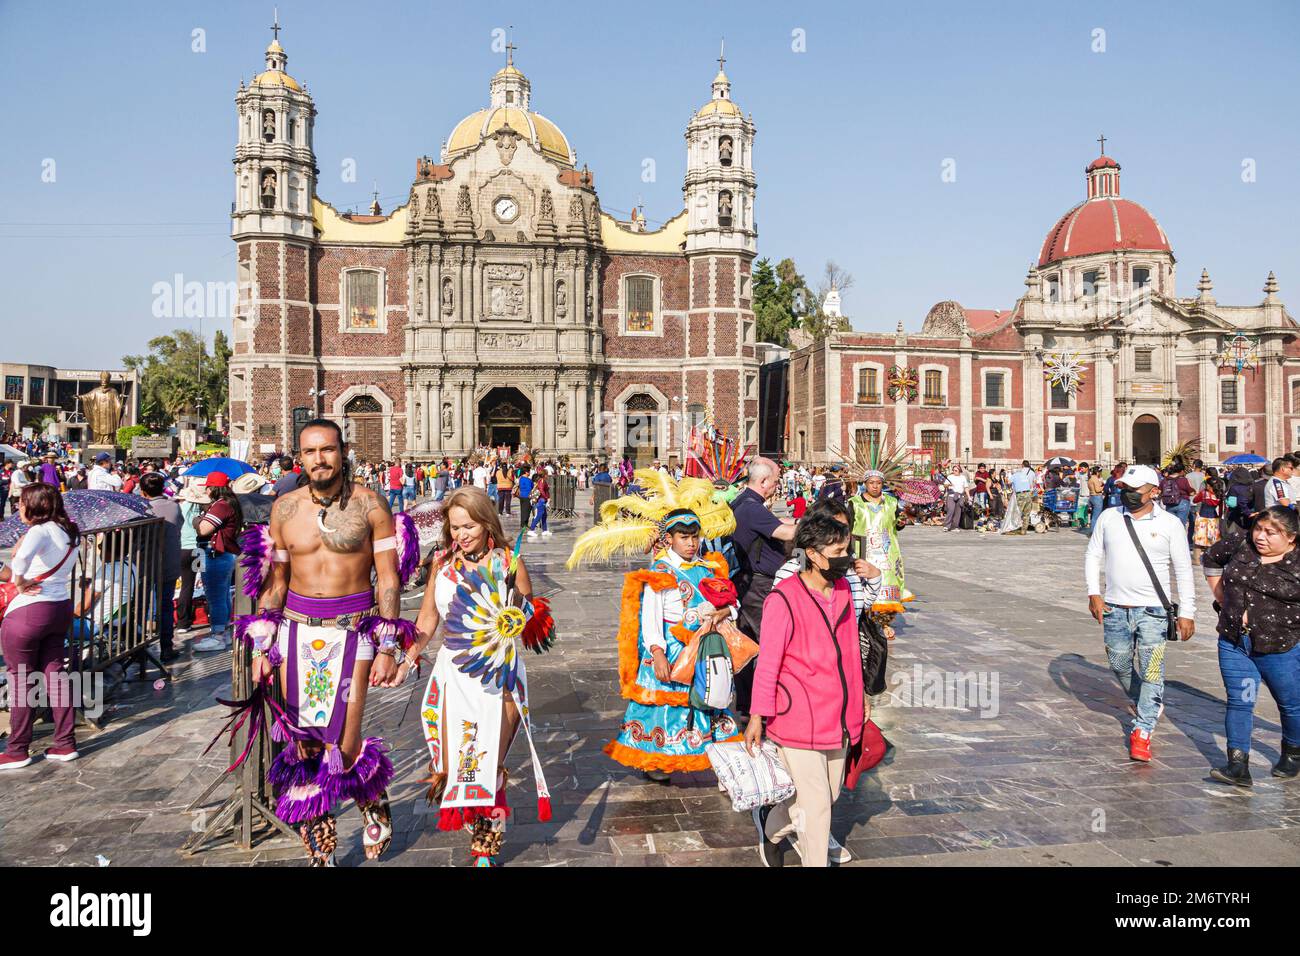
790, 617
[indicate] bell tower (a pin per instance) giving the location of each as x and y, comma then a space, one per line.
274, 374
275, 167
719, 187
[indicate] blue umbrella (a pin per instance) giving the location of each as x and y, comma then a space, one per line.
1246, 460
91, 510
228, 466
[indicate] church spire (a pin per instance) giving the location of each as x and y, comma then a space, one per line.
1103, 175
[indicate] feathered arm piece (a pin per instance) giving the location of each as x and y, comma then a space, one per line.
383, 630
408, 546
257, 551
539, 632
620, 536
258, 631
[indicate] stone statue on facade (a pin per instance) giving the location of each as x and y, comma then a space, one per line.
548, 205
448, 300
268, 188
561, 299
446, 418
562, 418
102, 408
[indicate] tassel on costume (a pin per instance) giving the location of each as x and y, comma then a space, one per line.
258, 630
539, 632
257, 549
408, 546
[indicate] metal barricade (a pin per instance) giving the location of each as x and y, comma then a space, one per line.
117, 587
564, 490
601, 491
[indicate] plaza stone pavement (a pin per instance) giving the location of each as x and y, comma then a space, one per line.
1034, 774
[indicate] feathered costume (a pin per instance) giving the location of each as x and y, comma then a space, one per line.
319, 659
875, 526
479, 660
662, 608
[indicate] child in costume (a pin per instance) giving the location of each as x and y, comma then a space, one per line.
875, 533
664, 607
681, 595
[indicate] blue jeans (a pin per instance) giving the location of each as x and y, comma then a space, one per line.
1243, 671
1135, 636
1182, 511
408, 493
539, 515
218, 573
1094, 508
492, 491
395, 499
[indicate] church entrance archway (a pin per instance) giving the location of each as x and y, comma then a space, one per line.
365, 425
505, 418
1146, 440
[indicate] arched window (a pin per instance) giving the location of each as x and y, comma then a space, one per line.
363, 405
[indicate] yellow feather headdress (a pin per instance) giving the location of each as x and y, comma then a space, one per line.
632, 524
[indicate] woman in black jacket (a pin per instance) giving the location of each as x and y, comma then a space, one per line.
1256, 583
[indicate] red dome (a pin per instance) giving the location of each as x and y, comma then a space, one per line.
1105, 224
1102, 162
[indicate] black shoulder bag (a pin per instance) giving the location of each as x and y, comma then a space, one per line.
1171, 609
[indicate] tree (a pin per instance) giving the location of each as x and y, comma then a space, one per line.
178, 374
780, 297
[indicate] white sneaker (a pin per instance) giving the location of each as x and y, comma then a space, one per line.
834, 852
546, 534
213, 642
532, 534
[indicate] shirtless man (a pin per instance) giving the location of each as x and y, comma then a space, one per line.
319, 622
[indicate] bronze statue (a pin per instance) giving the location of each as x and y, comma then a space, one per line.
102, 408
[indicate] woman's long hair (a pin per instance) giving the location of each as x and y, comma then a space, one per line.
223, 493
480, 507
42, 503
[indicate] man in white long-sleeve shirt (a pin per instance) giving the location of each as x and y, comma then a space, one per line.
1132, 616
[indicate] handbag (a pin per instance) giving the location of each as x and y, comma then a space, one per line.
758, 780
1171, 609
742, 648
865, 754
9, 590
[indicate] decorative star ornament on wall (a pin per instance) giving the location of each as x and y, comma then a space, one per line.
1240, 353
903, 383
1065, 369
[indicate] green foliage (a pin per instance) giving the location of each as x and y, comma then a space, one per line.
780, 294
178, 374
127, 432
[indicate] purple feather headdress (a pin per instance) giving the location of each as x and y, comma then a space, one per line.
408, 546
257, 548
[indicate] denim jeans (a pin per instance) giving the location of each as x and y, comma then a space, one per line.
1094, 508
218, 573
1135, 639
1243, 671
1182, 511
539, 515
395, 499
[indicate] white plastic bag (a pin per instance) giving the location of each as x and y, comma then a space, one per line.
751, 782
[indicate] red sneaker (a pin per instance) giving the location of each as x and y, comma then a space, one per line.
9, 762
1139, 745
62, 753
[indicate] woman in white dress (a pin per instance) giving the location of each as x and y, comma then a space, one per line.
476, 697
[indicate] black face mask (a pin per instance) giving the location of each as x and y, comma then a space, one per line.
1132, 500
837, 567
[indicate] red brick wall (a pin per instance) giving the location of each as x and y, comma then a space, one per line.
299, 330
1188, 378
330, 261
266, 337
267, 406
699, 339
726, 400
726, 334
671, 271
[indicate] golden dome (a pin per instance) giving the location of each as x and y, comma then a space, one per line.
509, 70
719, 106
533, 126
276, 78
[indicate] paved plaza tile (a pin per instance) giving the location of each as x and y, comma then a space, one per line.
1033, 771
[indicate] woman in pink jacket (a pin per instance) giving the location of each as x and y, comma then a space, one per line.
808, 690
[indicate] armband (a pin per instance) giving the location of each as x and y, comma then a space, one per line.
281, 556
386, 544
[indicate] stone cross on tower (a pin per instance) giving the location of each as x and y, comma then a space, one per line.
275, 27
1102, 140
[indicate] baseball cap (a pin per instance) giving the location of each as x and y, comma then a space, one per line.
217, 479
103, 456
1139, 475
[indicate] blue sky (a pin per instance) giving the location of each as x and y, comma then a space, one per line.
852, 134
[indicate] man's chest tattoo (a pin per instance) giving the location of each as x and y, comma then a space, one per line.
345, 531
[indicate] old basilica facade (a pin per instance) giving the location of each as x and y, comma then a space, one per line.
500, 305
